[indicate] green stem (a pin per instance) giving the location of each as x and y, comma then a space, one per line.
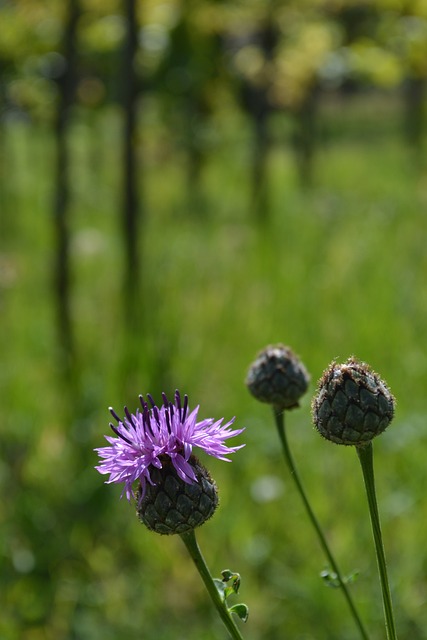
190, 542
280, 423
365, 454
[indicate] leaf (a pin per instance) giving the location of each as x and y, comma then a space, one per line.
228, 575
240, 610
221, 588
352, 577
331, 579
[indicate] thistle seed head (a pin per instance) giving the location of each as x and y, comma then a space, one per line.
352, 404
278, 377
172, 505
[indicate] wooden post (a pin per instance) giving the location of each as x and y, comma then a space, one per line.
130, 202
67, 83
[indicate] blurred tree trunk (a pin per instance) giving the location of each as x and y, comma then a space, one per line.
257, 103
261, 145
3, 182
67, 85
414, 96
130, 201
305, 138
196, 114
134, 318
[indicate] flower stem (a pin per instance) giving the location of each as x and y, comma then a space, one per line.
280, 423
190, 542
365, 454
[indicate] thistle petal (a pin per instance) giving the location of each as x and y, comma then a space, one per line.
144, 439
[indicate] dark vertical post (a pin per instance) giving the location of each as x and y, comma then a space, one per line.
257, 103
259, 164
130, 185
67, 82
414, 97
305, 138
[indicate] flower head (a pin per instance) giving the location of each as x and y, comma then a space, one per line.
173, 506
154, 435
278, 377
353, 404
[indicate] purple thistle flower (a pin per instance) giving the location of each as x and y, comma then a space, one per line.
146, 437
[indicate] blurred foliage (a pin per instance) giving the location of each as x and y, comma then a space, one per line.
337, 270
340, 271
184, 45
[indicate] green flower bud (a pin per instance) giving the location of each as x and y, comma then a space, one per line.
353, 404
174, 506
278, 377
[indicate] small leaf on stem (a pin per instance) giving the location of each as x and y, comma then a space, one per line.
240, 610
228, 575
220, 588
331, 579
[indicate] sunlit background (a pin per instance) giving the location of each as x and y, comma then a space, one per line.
181, 184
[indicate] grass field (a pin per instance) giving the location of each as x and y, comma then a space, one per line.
335, 271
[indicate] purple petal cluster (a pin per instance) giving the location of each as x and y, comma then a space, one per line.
145, 438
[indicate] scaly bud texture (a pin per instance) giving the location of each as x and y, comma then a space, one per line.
171, 505
278, 377
353, 404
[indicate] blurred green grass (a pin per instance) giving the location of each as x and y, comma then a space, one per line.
338, 270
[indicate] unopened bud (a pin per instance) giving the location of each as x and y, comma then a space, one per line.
278, 377
353, 404
174, 506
